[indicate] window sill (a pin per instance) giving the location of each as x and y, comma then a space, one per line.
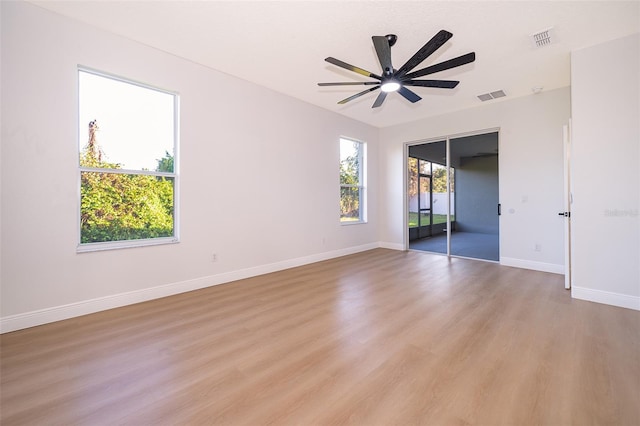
354, 222
116, 245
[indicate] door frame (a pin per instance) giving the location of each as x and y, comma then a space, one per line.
405, 185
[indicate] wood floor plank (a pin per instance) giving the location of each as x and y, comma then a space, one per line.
376, 338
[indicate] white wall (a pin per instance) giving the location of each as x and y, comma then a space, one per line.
605, 110
530, 173
234, 136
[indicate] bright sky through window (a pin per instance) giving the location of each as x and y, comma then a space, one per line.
136, 124
347, 149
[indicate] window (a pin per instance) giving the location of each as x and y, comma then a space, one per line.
352, 182
127, 163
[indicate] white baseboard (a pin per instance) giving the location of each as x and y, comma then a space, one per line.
606, 297
391, 246
529, 264
58, 313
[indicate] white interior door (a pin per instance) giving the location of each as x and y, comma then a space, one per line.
566, 133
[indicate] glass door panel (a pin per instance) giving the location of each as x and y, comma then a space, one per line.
426, 163
474, 197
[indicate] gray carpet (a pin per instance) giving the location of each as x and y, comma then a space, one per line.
465, 244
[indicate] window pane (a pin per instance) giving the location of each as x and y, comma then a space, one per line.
133, 125
425, 218
413, 176
439, 188
349, 204
452, 175
413, 219
349, 162
117, 207
425, 192
425, 167
439, 182
352, 181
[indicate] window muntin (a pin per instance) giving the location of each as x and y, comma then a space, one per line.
127, 163
352, 182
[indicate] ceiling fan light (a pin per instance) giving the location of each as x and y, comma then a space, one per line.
390, 86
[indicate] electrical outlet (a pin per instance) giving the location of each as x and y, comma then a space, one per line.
537, 247
214, 257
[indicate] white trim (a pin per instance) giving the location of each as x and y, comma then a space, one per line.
529, 264
391, 246
606, 297
447, 172
127, 80
58, 313
126, 172
454, 136
405, 196
123, 244
352, 222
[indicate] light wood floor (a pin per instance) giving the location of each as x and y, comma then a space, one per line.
377, 338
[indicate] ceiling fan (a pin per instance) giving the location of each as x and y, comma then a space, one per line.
392, 80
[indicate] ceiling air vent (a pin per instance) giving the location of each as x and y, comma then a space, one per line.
492, 95
543, 38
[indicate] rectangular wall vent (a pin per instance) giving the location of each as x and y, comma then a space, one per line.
542, 38
492, 95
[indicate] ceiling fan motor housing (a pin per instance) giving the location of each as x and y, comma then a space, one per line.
391, 38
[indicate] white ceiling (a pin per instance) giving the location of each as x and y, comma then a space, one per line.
282, 44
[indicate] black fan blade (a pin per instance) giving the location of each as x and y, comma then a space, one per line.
409, 95
442, 84
379, 99
350, 67
424, 52
359, 83
451, 63
357, 95
384, 54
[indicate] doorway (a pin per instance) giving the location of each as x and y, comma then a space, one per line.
452, 193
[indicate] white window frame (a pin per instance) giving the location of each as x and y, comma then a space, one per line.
112, 245
362, 162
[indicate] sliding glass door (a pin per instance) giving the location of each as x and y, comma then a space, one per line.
453, 196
